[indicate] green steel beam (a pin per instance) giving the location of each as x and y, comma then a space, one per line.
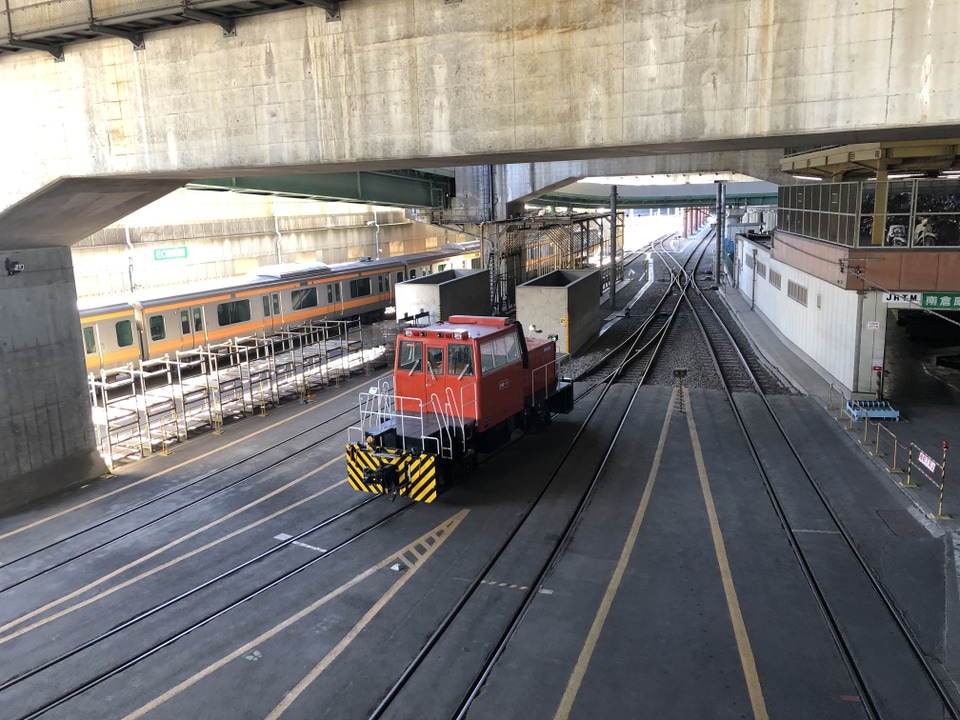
665, 201
403, 188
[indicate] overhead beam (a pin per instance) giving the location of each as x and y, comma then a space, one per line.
331, 7
55, 50
134, 37
228, 25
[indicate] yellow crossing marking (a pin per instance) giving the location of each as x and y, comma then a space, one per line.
512, 586
439, 534
170, 563
155, 475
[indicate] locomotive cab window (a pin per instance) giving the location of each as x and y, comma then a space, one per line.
435, 361
460, 360
124, 333
157, 329
231, 313
410, 356
89, 341
499, 351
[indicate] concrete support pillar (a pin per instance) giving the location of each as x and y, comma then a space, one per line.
45, 418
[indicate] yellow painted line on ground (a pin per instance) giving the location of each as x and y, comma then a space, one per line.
438, 534
586, 653
736, 616
155, 475
170, 563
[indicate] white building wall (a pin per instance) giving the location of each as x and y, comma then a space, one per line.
827, 328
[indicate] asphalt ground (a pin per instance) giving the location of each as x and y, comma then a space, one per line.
678, 595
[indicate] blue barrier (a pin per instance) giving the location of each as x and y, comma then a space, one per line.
872, 409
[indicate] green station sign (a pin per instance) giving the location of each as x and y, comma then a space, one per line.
941, 301
170, 253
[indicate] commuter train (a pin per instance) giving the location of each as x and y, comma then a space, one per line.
459, 387
149, 325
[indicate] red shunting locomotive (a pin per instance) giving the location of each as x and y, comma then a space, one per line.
460, 387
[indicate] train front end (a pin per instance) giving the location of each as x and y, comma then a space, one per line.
460, 387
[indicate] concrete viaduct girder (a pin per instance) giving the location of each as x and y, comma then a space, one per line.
415, 83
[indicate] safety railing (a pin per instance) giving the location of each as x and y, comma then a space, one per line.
907, 459
143, 409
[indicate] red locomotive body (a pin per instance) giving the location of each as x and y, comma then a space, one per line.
459, 387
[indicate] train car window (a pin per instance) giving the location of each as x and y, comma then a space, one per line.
380, 278
411, 353
231, 313
276, 303
386, 282
124, 333
400, 276
359, 287
435, 361
460, 360
89, 341
197, 320
184, 322
157, 329
413, 273
305, 298
333, 291
441, 267
266, 305
475, 264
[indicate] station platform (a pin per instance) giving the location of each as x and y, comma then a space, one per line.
929, 418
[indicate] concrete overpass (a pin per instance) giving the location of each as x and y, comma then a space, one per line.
120, 121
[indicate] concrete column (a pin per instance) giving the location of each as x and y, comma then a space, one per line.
45, 419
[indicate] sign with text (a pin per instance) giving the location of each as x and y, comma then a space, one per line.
902, 297
941, 301
170, 253
928, 462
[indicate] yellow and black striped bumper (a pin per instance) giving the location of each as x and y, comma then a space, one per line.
412, 476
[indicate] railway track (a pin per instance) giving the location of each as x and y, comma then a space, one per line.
130, 626
180, 489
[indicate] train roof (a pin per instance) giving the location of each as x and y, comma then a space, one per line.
265, 275
462, 327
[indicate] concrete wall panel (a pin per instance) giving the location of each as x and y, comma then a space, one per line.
393, 82
45, 415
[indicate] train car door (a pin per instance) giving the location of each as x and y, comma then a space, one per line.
272, 318
192, 330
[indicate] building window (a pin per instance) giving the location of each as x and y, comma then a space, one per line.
761, 269
797, 292
231, 313
774, 278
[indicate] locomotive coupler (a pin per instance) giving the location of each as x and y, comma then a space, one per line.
387, 477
